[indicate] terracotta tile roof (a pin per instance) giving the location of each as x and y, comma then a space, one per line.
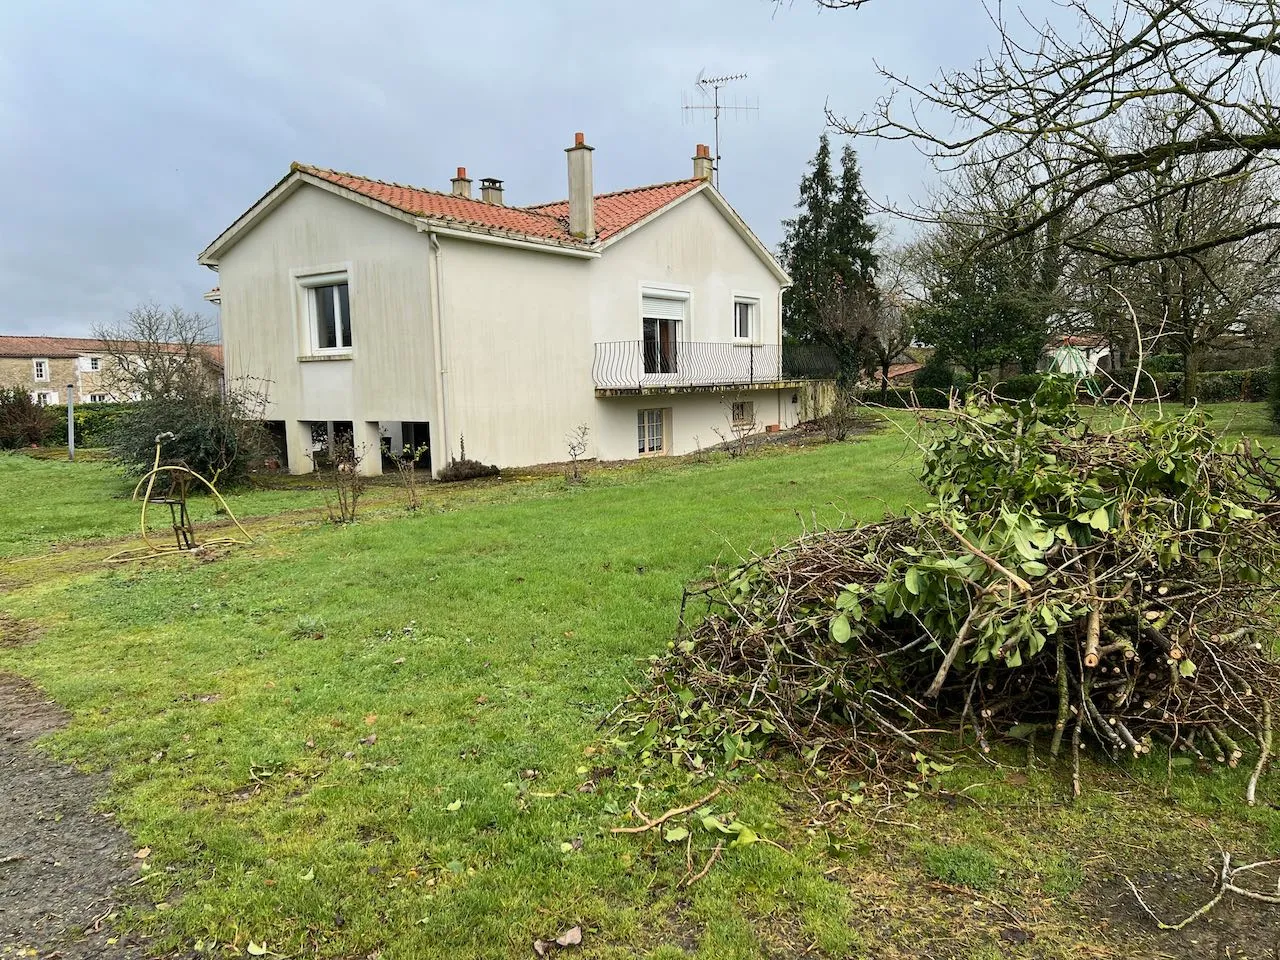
617, 211
65, 347
548, 221
903, 369
48, 346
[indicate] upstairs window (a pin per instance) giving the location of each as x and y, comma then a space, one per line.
329, 313
743, 319
41, 370
333, 316
95, 364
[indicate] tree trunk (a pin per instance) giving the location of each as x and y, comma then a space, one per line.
884, 377
1191, 360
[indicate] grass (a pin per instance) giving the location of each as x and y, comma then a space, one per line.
387, 736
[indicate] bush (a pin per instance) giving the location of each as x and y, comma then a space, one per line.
94, 423
1251, 386
934, 383
1165, 363
23, 422
1021, 387
465, 469
220, 438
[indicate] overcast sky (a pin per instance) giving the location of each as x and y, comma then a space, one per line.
132, 133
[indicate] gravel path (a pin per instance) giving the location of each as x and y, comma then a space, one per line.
64, 865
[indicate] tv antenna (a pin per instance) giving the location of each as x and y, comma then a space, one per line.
709, 102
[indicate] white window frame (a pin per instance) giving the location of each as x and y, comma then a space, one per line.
748, 412
40, 369
664, 418
752, 300
305, 281
95, 364
99, 398
45, 398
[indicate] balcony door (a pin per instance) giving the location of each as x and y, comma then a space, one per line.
663, 325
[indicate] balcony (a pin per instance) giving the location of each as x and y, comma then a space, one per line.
629, 367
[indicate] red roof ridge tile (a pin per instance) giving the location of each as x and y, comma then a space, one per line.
620, 193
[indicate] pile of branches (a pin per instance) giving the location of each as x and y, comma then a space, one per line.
1110, 583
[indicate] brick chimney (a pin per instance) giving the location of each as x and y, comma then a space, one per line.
462, 184
582, 203
491, 190
703, 165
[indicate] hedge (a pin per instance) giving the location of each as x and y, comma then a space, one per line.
93, 424
1227, 385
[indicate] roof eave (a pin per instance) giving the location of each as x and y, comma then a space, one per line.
462, 230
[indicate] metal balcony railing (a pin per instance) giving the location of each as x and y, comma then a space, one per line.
637, 364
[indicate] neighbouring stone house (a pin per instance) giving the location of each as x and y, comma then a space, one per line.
50, 367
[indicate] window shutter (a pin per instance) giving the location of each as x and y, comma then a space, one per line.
662, 308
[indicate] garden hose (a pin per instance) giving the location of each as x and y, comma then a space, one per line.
151, 549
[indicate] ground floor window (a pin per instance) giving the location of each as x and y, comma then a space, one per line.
743, 411
98, 398
44, 398
651, 431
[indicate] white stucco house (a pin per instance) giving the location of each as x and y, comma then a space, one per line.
416, 316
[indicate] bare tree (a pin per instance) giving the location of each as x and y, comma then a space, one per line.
159, 353
844, 317
1062, 104
890, 327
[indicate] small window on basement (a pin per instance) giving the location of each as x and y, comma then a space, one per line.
743, 319
329, 304
744, 411
651, 431
41, 370
98, 398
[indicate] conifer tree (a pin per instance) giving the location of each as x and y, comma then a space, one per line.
827, 250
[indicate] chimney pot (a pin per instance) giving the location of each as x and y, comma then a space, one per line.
462, 184
703, 164
491, 190
582, 202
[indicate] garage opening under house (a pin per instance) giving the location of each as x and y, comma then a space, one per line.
401, 316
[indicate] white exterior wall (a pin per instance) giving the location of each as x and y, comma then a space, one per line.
518, 328
689, 249
517, 351
390, 373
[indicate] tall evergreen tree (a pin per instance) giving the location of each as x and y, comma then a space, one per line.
827, 250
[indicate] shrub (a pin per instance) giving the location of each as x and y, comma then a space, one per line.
94, 422
23, 422
221, 437
465, 469
934, 383
1165, 363
1230, 385
1021, 387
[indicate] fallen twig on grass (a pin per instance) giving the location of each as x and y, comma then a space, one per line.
1226, 885
690, 881
650, 824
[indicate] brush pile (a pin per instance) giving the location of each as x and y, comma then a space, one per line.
1116, 586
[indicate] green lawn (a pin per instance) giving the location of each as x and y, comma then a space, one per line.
386, 736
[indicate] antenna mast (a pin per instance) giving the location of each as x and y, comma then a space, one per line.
711, 104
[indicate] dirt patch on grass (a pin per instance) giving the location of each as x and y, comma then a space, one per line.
16, 633
65, 867
1238, 928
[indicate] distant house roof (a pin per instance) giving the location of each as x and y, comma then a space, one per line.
545, 224
70, 347
1077, 340
903, 370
